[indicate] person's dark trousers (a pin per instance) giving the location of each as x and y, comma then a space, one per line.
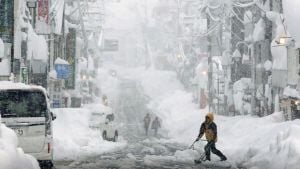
155, 132
211, 147
146, 129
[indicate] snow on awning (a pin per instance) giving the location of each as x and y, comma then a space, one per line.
37, 46
57, 13
290, 92
53, 74
60, 61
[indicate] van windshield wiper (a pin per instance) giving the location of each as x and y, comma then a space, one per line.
9, 115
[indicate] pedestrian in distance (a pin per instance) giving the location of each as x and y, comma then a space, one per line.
209, 128
147, 121
105, 100
155, 125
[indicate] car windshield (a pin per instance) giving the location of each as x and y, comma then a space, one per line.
22, 103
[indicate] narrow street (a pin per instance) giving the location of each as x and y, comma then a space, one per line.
130, 112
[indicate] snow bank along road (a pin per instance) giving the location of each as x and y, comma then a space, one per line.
141, 151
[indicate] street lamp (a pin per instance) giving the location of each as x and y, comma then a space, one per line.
283, 40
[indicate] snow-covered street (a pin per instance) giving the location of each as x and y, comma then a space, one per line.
149, 84
141, 151
133, 97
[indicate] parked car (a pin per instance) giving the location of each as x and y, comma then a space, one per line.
26, 110
102, 120
109, 129
98, 115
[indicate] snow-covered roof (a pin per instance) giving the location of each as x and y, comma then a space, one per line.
7, 85
34, 40
60, 61
290, 92
53, 74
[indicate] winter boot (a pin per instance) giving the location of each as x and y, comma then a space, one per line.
223, 158
197, 161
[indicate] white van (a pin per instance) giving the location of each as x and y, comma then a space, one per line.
25, 109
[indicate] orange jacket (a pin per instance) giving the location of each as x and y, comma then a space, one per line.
209, 128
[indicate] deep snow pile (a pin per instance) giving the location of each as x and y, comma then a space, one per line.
267, 142
108, 83
12, 157
253, 142
168, 100
74, 139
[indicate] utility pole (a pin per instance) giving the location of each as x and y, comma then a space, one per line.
148, 59
210, 68
253, 82
178, 20
83, 31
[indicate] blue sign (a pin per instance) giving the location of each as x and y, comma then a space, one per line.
55, 104
62, 71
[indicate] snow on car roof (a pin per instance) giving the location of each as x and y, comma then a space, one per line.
99, 107
7, 85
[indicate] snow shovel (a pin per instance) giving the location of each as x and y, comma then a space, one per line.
202, 157
192, 146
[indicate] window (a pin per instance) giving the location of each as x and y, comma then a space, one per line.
22, 103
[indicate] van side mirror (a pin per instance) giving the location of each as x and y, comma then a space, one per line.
53, 116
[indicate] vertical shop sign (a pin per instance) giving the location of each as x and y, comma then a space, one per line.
6, 20
71, 57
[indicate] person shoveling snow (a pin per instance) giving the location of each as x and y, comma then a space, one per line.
209, 128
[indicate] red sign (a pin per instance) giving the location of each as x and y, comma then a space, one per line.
42, 23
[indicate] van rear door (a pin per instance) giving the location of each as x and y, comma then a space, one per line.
31, 133
26, 112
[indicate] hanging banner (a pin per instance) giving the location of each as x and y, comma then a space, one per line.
42, 20
24, 75
71, 57
6, 20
